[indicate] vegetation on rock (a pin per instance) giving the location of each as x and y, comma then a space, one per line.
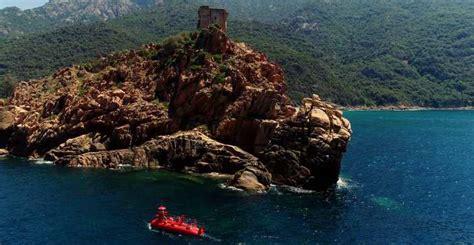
349, 52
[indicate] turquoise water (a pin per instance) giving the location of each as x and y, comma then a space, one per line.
407, 179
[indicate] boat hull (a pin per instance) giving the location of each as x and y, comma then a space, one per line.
177, 227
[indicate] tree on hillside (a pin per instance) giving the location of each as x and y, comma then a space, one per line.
7, 86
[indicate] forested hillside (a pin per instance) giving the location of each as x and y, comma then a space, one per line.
349, 52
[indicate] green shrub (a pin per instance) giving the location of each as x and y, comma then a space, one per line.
7, 86
83, 89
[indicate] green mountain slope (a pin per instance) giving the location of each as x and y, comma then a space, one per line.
352, 53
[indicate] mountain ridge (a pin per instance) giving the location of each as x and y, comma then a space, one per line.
60, 13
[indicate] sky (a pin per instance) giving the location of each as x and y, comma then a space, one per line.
23, 4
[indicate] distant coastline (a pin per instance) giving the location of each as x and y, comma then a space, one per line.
402, 108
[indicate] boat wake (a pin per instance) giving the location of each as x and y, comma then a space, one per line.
211, 238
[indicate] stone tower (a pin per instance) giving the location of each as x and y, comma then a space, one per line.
209, 16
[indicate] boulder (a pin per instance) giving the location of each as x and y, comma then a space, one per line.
319, 118
69, 149
122, 137
7, 119
98, 147
3, 152
247, 181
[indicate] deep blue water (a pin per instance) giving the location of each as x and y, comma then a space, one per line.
408, 179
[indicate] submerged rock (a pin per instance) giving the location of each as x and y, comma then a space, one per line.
196, 103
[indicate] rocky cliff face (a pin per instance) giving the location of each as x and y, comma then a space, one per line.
197, 103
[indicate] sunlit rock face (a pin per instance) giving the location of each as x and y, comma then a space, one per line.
197, 102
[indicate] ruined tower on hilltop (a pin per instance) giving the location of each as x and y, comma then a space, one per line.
209, 16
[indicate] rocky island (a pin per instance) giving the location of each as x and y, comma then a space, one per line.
198, 102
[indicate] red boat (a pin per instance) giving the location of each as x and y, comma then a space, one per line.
178, 225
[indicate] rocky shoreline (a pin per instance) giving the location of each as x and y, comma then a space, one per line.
197, 103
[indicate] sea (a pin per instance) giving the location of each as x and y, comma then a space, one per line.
407, 178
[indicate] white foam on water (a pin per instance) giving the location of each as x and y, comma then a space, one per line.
125, 166
228, 187
173, 236
232, 188
274, 190
42, 162
296, 189
345, 184
342, 184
